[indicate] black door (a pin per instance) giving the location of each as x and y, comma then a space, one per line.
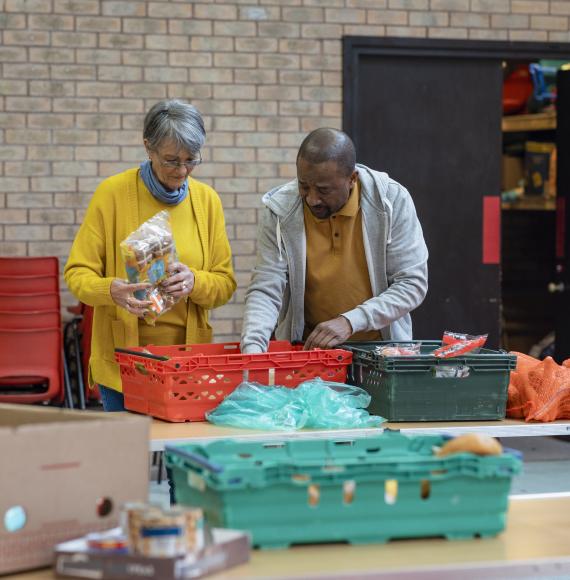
428, 112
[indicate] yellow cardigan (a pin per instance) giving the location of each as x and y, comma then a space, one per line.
95, 261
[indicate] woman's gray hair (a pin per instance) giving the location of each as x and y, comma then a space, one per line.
176, 120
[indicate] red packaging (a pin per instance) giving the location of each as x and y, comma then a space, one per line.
457, 344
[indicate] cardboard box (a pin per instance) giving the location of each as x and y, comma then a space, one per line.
64, 474
229, 548
540, 163
512, 172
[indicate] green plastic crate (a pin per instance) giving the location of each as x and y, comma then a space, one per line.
269, 489
417, 388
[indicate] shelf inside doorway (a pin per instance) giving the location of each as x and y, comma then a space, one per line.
530, 203
535, 122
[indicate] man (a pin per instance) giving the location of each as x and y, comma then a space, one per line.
341, 254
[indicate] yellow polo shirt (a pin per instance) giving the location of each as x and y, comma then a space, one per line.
171, 326
337, 278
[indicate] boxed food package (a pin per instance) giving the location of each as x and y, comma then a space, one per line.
64, 474
540, 168
512, 172
228, 548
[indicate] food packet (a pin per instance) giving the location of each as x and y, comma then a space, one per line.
477, 443
147, 253
457, 344
399, 349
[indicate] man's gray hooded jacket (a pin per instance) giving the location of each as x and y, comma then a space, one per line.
396, 255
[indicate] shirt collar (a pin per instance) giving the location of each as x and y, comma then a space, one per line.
351, 207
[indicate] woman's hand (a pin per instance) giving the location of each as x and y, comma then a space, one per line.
123, 295
180, 283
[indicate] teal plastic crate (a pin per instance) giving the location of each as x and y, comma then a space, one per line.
472, 387
359, 490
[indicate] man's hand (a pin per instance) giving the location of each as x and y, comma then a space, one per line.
329, 334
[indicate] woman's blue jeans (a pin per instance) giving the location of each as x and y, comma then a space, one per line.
113, 401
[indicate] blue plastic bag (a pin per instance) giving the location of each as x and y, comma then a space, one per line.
313, 404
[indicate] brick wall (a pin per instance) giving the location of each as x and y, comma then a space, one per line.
78, 75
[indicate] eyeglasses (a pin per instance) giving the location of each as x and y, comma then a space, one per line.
190, 164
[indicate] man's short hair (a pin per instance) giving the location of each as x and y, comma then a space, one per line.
326, 144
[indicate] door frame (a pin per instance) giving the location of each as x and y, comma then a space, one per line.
356, 46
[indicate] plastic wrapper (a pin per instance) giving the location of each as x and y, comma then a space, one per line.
147, 253
399, 349
458, 344
313, 404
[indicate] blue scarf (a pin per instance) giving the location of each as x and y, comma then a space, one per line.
158, 190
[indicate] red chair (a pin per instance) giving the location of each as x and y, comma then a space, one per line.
28, 284
29, 266
32, 366
29, 302
30, 320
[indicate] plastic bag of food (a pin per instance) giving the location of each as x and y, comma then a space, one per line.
147, 253
457, 344
313, 404
399, 349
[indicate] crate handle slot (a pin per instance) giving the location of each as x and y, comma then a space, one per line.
140, 368
425, 488
348, 491
274, 445
452, 371
231, 347
196, 458
374, 450
314, 494
391, 491
348, 443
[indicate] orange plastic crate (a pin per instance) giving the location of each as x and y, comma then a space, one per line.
181, 383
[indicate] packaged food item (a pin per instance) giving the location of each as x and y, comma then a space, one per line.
155, 532
399, 349
109, 541
163, 534
195, 529
477, 443
131, 522
147, 253
457, 344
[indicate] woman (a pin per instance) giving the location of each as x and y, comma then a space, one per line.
202, 279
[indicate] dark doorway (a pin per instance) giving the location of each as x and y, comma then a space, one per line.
428, 112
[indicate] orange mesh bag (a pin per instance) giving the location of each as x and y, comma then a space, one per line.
539, 390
